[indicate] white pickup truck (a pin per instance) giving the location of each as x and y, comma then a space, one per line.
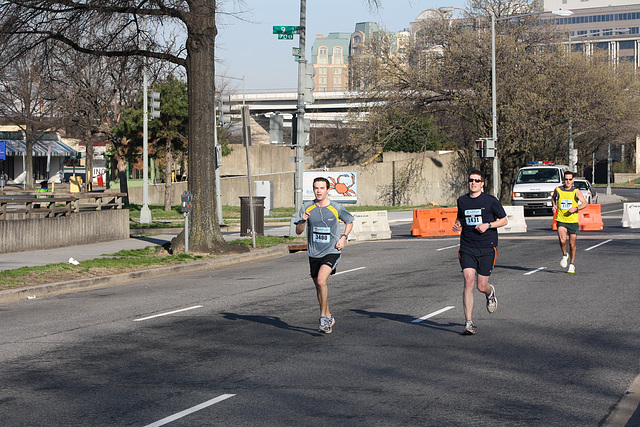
535, 184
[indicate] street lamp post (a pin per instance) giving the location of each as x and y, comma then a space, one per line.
496, 171
145, 212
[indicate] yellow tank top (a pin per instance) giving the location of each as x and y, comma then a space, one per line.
566, 201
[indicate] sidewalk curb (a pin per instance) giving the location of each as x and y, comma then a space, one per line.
627, 410
60, 288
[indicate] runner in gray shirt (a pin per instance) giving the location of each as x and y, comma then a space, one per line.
322, 218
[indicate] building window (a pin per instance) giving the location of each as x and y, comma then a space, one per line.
337, 80
322, 80
337, 55
337, 89
337, 70
322, 70
627, 45
322, 55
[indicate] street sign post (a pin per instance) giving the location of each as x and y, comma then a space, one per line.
286, 29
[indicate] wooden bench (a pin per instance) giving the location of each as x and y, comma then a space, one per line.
35, 207
98, 201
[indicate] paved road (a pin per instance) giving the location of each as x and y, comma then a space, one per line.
237, 345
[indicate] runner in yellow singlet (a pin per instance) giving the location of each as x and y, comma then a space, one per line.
567, 201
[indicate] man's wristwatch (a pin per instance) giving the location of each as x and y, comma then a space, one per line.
489, 225
345, 236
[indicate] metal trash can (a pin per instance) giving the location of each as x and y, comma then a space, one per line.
245, 215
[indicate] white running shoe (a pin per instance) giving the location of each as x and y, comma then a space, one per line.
326, 324
564, 261
469, 328
492, 301
572, 268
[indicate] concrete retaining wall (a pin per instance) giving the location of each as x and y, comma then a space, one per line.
417, 178
77, 229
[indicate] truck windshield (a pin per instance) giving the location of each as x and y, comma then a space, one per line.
538, 175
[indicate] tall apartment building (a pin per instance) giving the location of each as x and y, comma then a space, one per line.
601, 24
330, 57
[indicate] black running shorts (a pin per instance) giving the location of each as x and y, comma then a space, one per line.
315, 263
481, 260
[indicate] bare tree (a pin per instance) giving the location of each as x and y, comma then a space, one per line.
96, 91
122, 28
445, 71
28, 99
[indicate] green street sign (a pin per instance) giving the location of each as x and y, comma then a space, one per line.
285, 36
284, 29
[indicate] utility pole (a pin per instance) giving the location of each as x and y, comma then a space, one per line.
300, 134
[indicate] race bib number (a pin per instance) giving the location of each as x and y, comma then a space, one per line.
321, 235
473, 217
566, 204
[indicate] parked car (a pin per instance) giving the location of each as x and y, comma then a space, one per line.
587, 190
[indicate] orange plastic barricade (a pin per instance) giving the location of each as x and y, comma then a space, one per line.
434, 222
589, 219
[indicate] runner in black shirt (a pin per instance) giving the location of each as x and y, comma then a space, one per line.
479, 216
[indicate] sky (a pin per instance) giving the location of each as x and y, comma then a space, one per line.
248, 48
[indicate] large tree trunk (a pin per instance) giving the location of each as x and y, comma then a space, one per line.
204, 234
122, 177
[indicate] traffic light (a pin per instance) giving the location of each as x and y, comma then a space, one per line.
224, 109
294, 130
276, 128
309, 84
479, 147
154, 105
489, 148
485, 147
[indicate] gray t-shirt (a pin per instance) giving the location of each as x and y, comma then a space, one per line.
323, 227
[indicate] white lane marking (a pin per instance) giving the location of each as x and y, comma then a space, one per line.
615, 210
349, 271
435, 313
448, 247
186, 412
534, 271
166, 314
599, 244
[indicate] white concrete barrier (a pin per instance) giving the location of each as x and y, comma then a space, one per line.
631, 215
517, 224
372, 225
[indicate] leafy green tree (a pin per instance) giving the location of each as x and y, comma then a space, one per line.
169, 134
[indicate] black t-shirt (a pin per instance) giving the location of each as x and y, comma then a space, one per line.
478, 210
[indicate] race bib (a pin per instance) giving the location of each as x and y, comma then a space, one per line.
566, 204
321, 235
473, 217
